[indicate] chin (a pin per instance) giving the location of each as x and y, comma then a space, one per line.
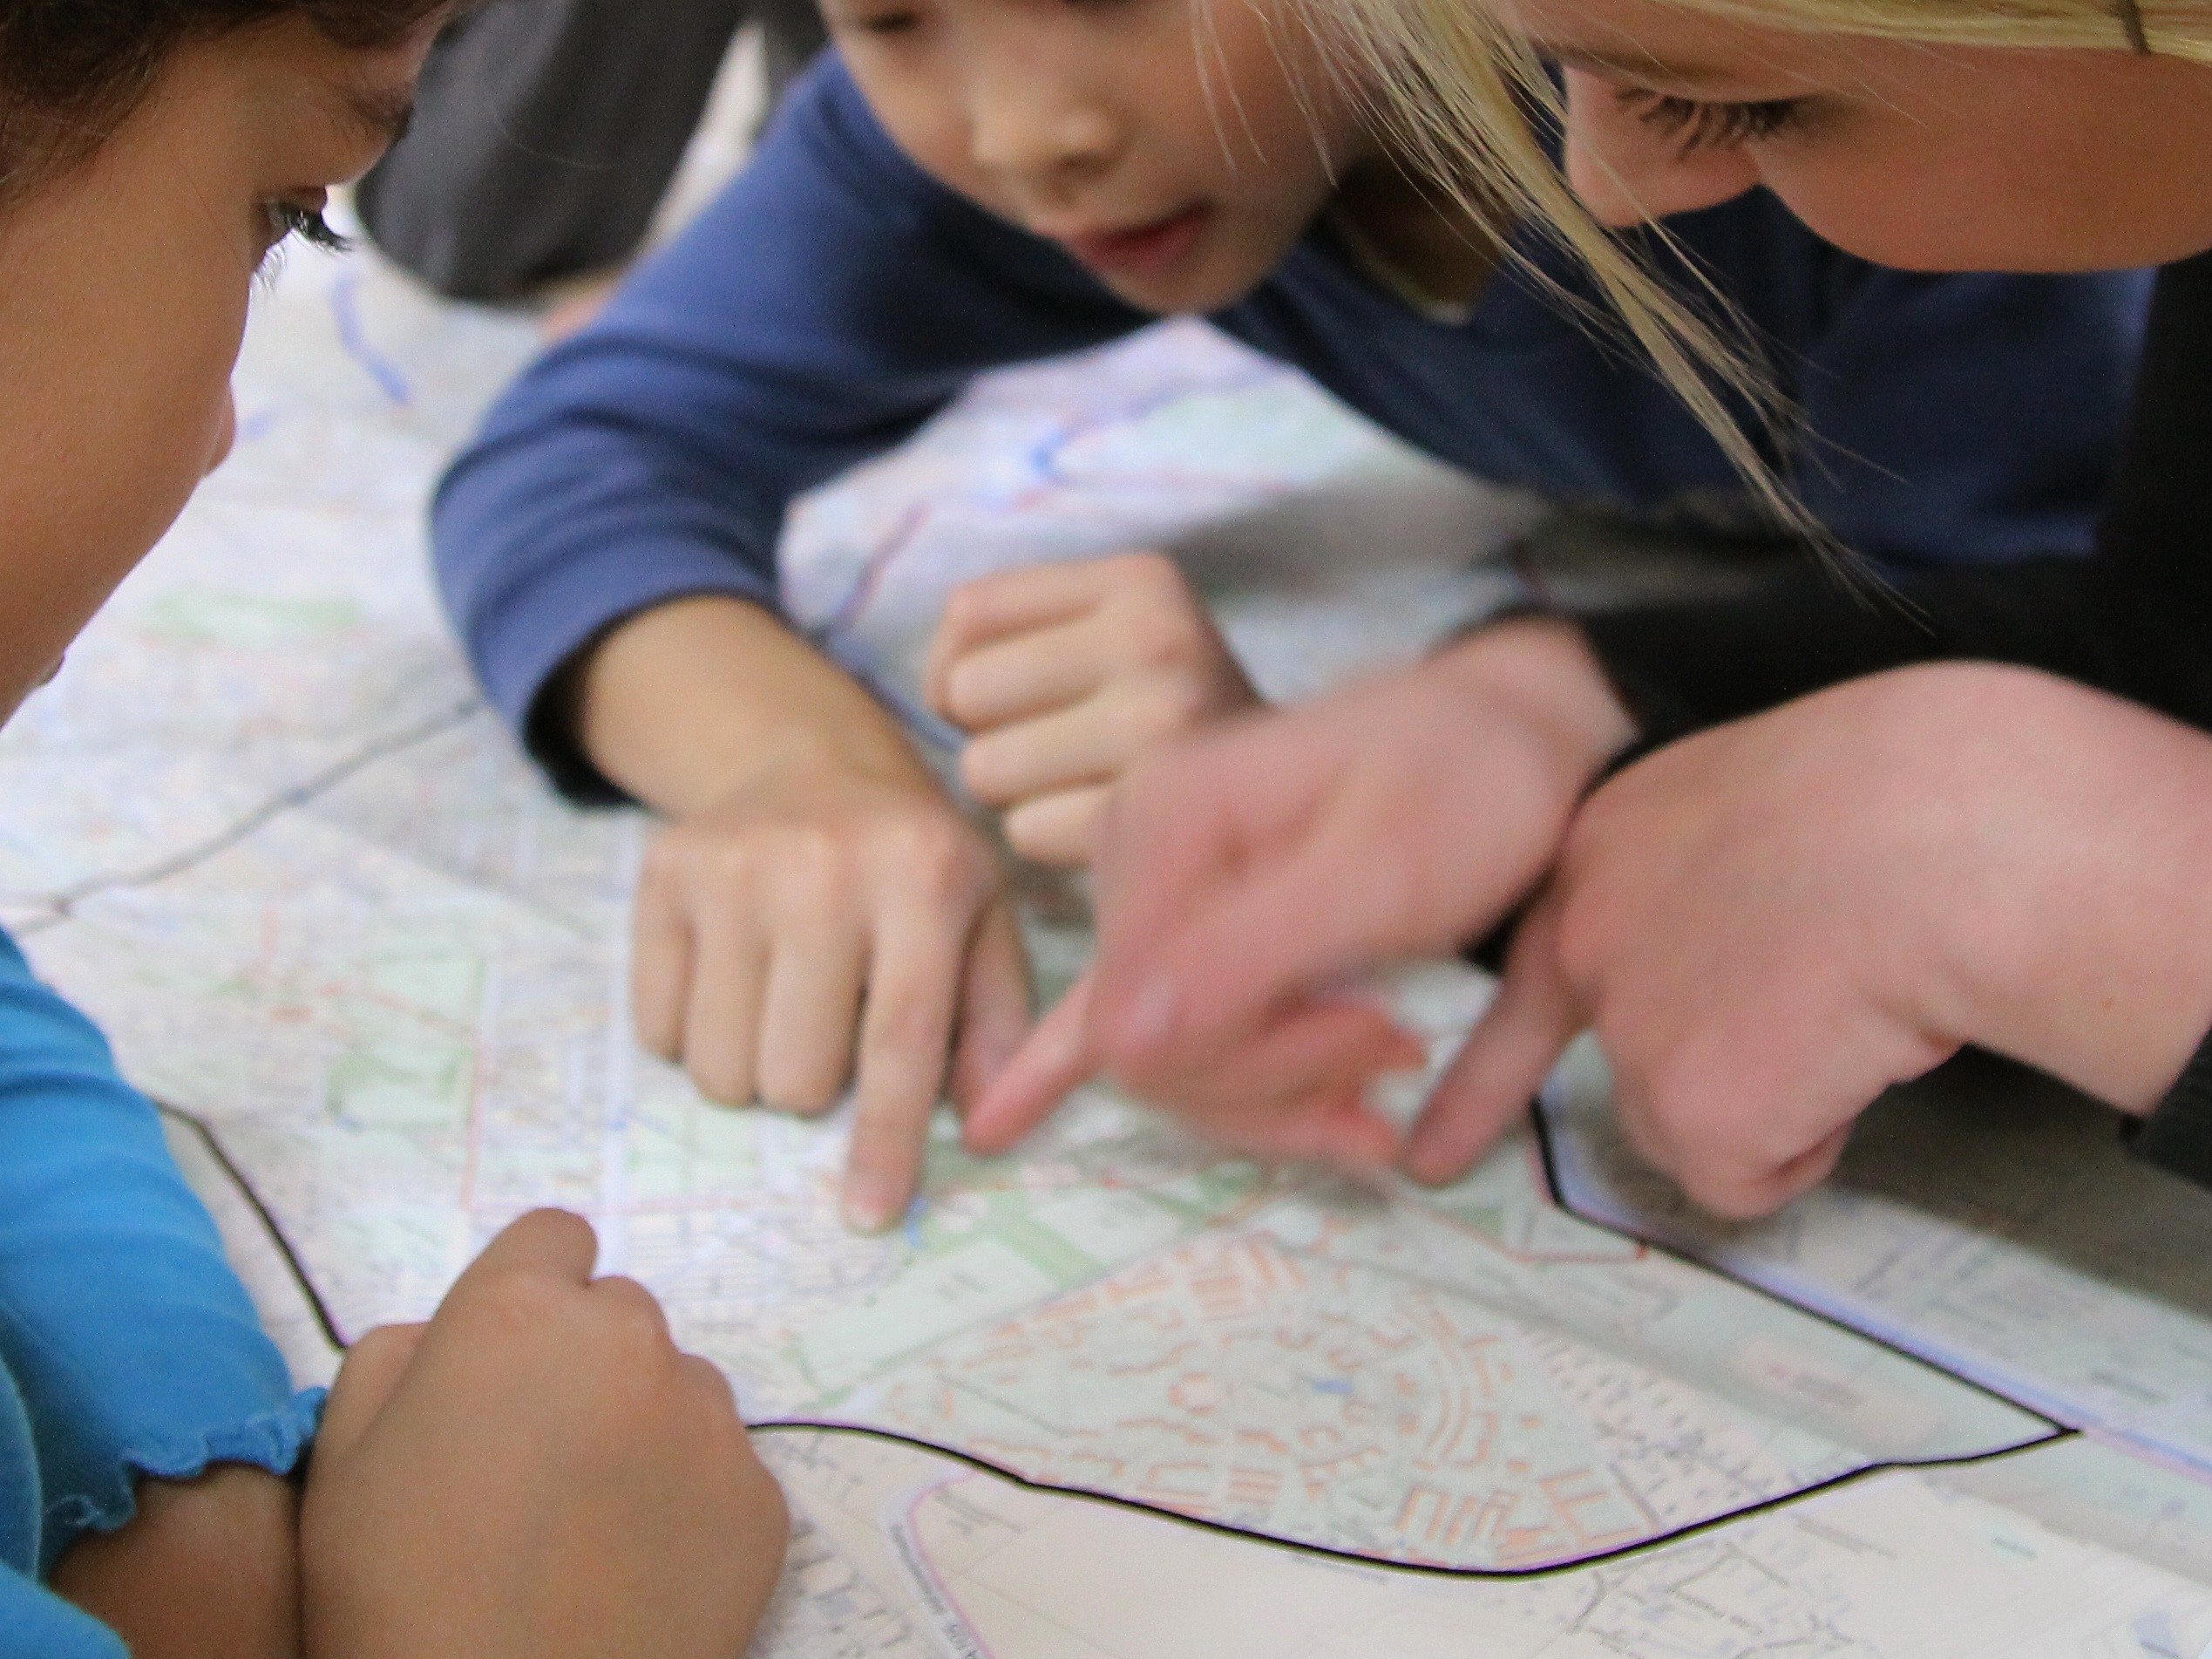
1201, 289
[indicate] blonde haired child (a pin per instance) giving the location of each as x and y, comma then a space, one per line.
1767, 922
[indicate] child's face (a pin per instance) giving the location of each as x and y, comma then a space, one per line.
124, 285
1176, 153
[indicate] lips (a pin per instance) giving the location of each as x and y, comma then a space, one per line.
1139, 249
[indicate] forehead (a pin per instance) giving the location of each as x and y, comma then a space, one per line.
1648, 40
289, 77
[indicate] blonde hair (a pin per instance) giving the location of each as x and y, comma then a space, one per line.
1457, 90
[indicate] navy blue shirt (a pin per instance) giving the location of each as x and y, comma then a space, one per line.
835, 297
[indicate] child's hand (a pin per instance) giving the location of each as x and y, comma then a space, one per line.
1769, 923
1246, 872
538, 1473
825, 924
1063, 675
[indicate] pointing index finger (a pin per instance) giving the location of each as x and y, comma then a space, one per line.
1052, 1063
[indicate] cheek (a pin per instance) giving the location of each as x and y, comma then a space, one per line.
226, 433
1922, 212
918, 103
136, 415
1252, 94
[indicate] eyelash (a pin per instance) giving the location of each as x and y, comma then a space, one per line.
1710, 127
886, 25
287, 220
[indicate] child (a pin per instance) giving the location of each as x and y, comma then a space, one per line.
1766, 922
538, 1471
972, 182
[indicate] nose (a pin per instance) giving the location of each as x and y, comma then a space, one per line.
226, 433
1031, 120
1626, 169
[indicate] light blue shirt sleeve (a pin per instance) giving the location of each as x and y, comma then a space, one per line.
37, 1624
34, 1622
129, 1347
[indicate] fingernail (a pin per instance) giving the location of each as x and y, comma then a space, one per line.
869, 1204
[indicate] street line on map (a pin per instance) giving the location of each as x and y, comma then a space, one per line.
63, 903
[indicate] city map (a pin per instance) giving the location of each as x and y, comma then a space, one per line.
1114, 1395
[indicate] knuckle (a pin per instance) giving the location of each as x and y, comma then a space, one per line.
629, 1315
395, 1341
1170, 704
522, 1304
1162, 637
709, 1381
724, 1079
804, 1085
959, 694
709, 870
1057, 839
812, 857
904, 1025
936, 857
668, 859
983, 771
1147, 571
964, 608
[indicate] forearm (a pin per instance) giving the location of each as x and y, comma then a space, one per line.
687, 703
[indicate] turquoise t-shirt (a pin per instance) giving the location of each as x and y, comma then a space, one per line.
127, 1346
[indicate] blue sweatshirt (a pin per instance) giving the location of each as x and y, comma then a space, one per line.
835, 297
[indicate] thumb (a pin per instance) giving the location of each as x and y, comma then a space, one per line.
553, 1244
1054, 1060
366, 1382
1505, 1059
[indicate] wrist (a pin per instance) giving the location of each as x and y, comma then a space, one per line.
2083, 944
1544, 668
701, 699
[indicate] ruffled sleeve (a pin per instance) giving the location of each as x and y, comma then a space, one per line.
132, 1347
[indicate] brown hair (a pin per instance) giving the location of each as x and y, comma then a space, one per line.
71, 71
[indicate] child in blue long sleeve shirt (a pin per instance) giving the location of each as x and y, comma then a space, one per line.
153, 154
973, 182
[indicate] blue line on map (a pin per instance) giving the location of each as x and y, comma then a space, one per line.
345, 308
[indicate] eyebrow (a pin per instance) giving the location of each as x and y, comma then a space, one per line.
379, 114
1634, 66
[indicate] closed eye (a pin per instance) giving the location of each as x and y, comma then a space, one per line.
885, 24
1696, 125
290, 220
